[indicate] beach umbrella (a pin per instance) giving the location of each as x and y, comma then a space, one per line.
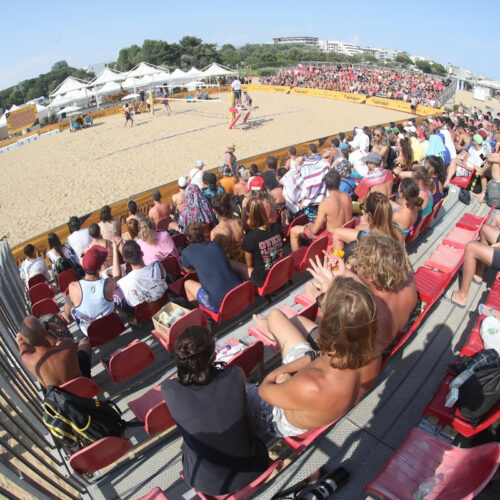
69, 110
130, 96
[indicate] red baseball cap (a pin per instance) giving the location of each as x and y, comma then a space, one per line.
256, 183
94, 258
483, 133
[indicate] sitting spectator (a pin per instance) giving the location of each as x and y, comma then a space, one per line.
32, 265
359, 149
79, 238
333, 212
228, 180
144, 283
90, 298
98, 240
228, 233
292, 156
489, 170
196, 174
377, 217
135, 213
257, 189
159, 210
155, 245
437, 173
51, 362
421, 175
179, 198
380, 144
478, 254
269, 175
57, 250
376, 178
214, 271
210, 188
344, 168
220, 453
132, 229
263, 243
107, 224
468, 161
407, 207
316, 387
404, 160
195, 208
240, 187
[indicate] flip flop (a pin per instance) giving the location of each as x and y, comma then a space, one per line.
449, 297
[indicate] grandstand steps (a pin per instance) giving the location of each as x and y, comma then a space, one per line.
363, 440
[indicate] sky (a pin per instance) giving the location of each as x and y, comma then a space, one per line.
94, 31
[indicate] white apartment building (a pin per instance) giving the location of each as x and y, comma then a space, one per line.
338, 46
308, 40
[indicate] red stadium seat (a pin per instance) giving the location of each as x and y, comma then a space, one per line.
129, 361
196, 317
162, 224
474, 342
493, 299
302, 441
82, 386
257, 332
105, 329
459, 237
154, 494
417, 230
146, 310
435, 211
249, 358
151, 409
249, 490
35, 280
474, 222
304, 299
45, 306
171, 265
463, 181
445, 258
98, 455
452, 417
65, 278
431, 284
234, 302
301, 220
177, 287
180, 241
303, 255
279, 275
40, 291
422, 456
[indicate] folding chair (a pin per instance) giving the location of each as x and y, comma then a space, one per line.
196, 317
65, 278
249, 358
105, 329
459, 237
129, 361
146, 310
234, 302
452, 416
303, 255
171, 265
279, 275
249, 490
162, 224
40, 291
98, 455
45, 306
301, 220
466, 471
151, 409
35, 280
82, 386
88, 121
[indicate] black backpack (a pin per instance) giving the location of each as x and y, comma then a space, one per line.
63, 264
78, 422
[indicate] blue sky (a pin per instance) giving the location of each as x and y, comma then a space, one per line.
83, 33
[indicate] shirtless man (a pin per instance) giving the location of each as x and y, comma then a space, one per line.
179, 198
51, 362
334, 211
159, 210
312, 388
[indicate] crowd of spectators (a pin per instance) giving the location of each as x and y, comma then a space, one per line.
413, 87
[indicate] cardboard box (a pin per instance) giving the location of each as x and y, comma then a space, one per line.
170, 307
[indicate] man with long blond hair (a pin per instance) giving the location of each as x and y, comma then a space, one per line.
316, 387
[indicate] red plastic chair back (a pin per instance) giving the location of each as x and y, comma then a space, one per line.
417, 230
146, 310
302, 441
431, 284
422, 456
463, 181
65, 278
435, 211
445, 258
99, 454
35, 280
105, 329
162, 224
459, 237
196, 317
171, 265
82, 386
301, 220
235, 301
249, 490
154, 494
316, 248
249, 358
494, 296
129, 361
278, 276
45, 306
40, 291
474, 342
180, 240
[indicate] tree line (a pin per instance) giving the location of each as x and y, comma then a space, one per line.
192, 51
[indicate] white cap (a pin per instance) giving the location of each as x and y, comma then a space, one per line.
200, 164
182, 182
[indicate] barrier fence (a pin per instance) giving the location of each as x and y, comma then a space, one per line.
30, 464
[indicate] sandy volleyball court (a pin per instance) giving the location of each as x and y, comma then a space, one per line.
45, 182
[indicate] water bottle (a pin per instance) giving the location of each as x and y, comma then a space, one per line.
427, 487
326, 485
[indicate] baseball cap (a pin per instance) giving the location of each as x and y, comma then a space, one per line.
373, 157
74, 222
483, 133
182, 182
477, 139
256, 183
200, 164
94, 258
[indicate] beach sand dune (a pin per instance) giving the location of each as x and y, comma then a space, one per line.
44, 183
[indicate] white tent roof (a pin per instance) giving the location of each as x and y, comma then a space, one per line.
195, 73
163, 76
217, 70
75, 95
107, 75
131, 83
108, 88
143, 69
13, 107
69, 85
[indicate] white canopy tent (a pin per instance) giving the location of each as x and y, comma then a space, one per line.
107, 75
71, 97
195, 73
108, 88
69, 110
157, 78
68, 85
131, 83
217, 70
143, 69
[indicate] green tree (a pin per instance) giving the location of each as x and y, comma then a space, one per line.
15, 97
404, 60
229, 55
370, 58
424, 66
59, 65
438, 69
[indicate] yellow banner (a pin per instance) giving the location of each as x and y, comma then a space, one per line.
389, 103
22, 118
277, 89
426, 110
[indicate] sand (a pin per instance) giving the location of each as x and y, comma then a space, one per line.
45, 182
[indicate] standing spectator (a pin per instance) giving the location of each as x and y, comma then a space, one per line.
196, 174
230, 158
79, 238
236, 88
32, 265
